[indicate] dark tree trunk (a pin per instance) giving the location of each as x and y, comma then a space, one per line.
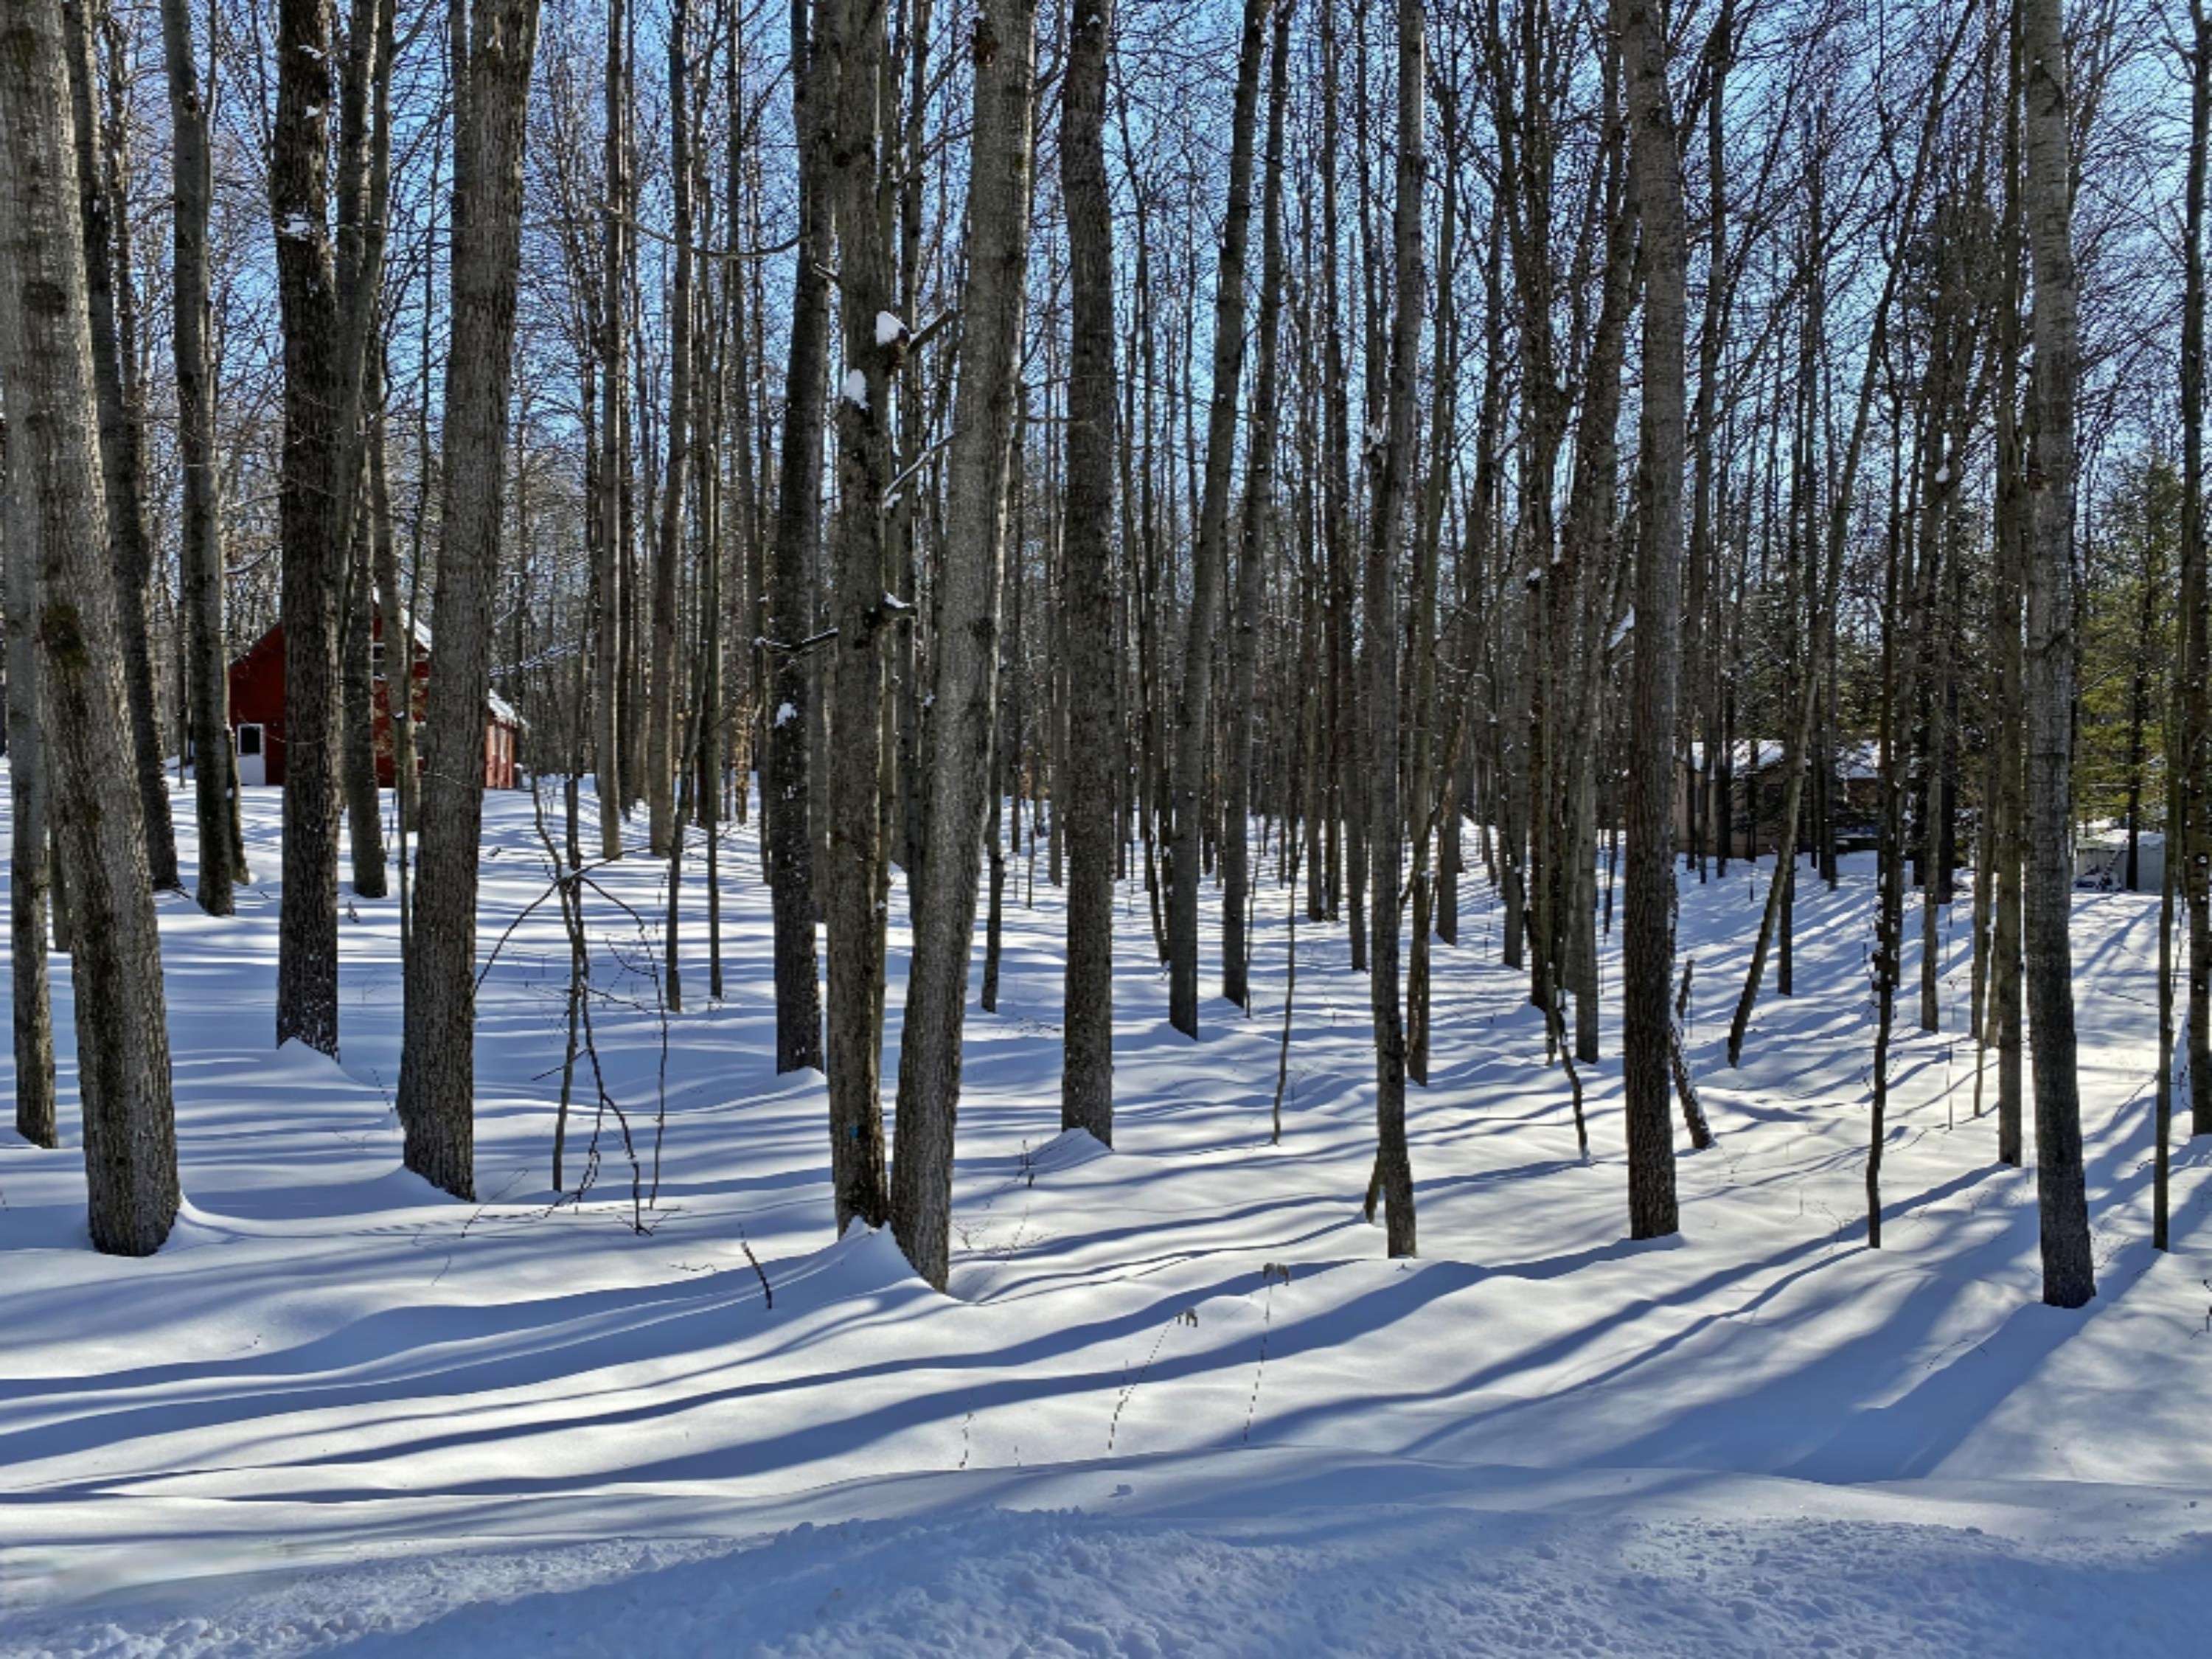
1648, 951
1087, 1090
785, 772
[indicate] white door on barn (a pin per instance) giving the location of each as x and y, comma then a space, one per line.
252, 763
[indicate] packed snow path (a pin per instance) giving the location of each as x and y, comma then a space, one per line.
1177, 1402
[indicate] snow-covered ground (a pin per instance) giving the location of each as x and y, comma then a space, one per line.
1177, 1402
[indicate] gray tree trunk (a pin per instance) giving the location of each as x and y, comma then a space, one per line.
108, 292
29, 852
54, 471
1195, 697
207, 657
437, 1055
1393, 465
967, 655
2069, 1275
1252, 553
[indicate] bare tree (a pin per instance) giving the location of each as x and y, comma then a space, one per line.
2069, 1276
966, 686
1210, 553
437, 1057
54, 472
1648, 951
1086, 1089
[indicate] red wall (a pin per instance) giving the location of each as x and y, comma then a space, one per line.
257, 694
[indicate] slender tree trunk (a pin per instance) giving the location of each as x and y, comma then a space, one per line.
1394, 462
2189, 832
663, 719
1239, 713
29, 789
1194, 699
437, 1057
1086, 1090
967, 654
207, 658
2069, 1275
110, 293
1647, 954
311, 529
873, 348
57, 503
785, 789
612, 687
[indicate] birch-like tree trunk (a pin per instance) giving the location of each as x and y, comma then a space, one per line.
2069, 1274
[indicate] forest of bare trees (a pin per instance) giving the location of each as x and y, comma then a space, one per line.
1380, 452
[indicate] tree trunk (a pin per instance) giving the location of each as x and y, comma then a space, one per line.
1086, 1090
207, 657
1252, 553
28, 794
784, 782
1648, 952
109, 292
967, 654
874, 347
437, 1057
2069, 1275
1393, 465
54, 479
1210, 552
311, 528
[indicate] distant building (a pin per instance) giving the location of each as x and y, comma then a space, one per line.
1758, 786
257, 709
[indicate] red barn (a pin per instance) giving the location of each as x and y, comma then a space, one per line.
257, 709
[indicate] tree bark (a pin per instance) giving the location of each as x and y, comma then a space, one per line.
1648, 951
1393, 465
1193, 703
207, 657
437, 1056
1254, 551
2069, 1275
29, 854
967, 654
856, 873
99, 170
311, 527
53, 476
1086, 1089
785, 786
